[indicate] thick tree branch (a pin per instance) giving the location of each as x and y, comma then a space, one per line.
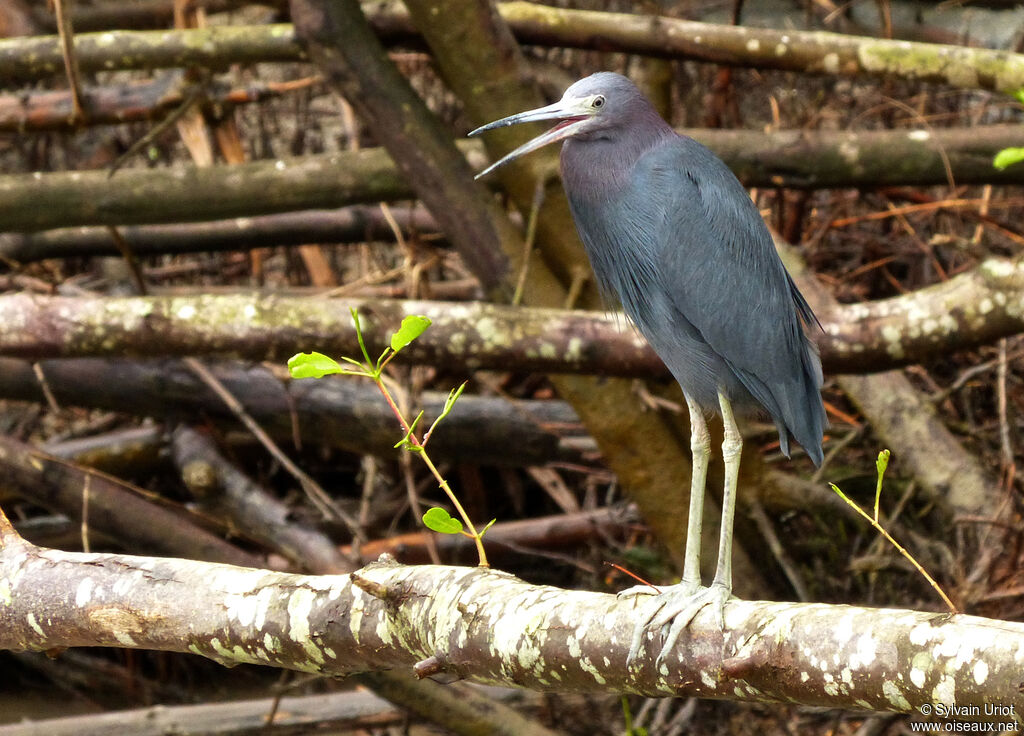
27, 59
490, 627
189, 194
798, 159
345, 413
974, 308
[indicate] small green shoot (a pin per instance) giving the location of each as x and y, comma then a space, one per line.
317, 365
881, 464
627, 716
449, 404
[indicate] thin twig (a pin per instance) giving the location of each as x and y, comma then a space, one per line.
764, 525
86, 486
316, 494
531, 235
67, 49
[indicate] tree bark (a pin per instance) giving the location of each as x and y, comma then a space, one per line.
490, 627
795, 159
975, 308
27, 59
354, 224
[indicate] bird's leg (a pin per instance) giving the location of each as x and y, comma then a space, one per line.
700, 451
732, 447
674, 608
670, 606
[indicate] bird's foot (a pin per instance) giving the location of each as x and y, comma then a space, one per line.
671, 610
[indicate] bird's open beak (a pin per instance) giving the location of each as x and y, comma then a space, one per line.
572, 113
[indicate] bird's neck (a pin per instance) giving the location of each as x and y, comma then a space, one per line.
594, 165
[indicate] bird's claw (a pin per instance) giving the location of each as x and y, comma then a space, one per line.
671, 610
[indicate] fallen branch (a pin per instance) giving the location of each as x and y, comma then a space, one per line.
974, 308
486, 626
818, 52
342, 414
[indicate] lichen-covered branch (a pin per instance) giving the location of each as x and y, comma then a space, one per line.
798, 159
490, 627
26, 59
816, 52
974, 308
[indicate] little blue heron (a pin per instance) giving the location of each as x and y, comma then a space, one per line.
672, 234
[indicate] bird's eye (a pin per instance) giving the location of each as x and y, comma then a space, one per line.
597, 102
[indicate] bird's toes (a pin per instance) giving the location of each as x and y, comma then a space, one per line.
645, 589
660, 610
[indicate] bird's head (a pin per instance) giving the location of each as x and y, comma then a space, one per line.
595, 106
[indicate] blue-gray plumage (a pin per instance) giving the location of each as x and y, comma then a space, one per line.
672, 234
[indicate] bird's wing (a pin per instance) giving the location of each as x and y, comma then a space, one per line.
723, 275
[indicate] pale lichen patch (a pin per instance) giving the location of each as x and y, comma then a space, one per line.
587, 666
865, 653
980, 672
31, 618
300, 605
917, 676
5, 592
920, 635
892, 693
242, 608
83, 594
124, 639
945, 691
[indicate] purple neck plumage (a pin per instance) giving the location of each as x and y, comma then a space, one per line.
599, 161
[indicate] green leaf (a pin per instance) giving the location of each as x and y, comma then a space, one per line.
412, 327
441, 521
1008, 157
313, 365
1019, 94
